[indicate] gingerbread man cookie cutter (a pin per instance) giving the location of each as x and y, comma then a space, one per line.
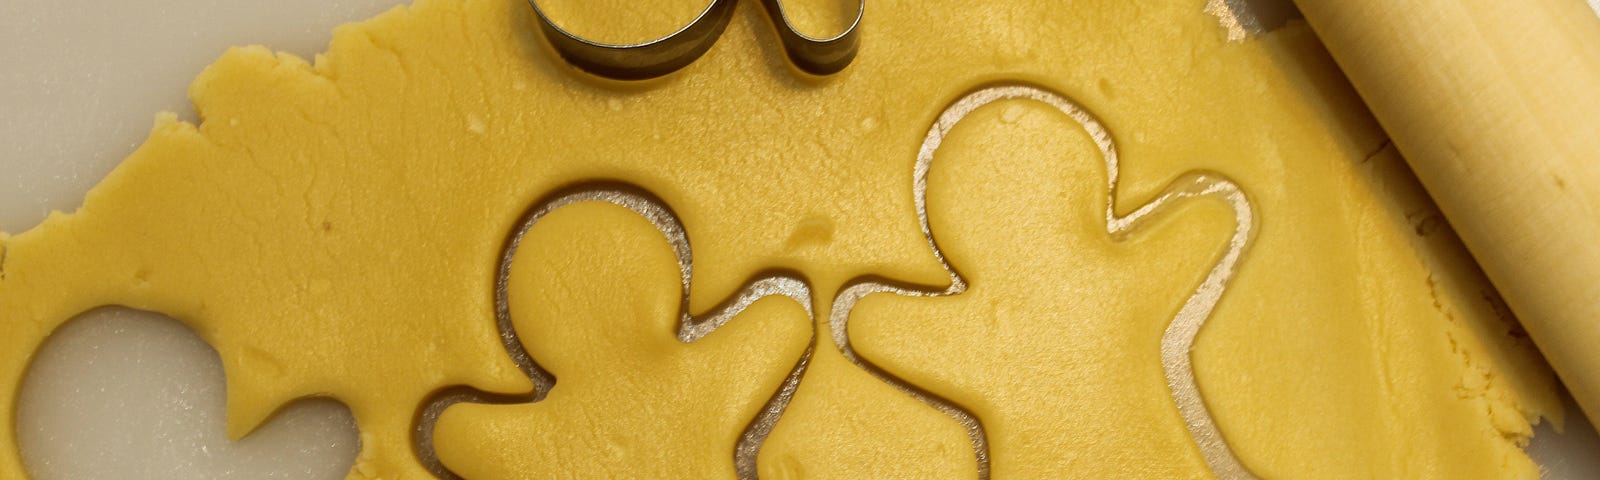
1177, 340
691, 327
661, 56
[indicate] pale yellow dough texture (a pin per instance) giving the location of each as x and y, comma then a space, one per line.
333, 228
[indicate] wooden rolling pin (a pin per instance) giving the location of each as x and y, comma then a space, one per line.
1496, 106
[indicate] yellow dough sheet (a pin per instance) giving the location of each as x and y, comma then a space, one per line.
336, 227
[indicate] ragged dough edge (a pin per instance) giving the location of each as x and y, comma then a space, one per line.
1501, 367
1502, 375
286, 65
1480, 328
265, 67
255, 66
167, 125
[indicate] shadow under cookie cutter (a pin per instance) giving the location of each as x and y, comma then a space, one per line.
655, 58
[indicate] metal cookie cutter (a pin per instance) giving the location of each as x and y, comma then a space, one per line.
654, 58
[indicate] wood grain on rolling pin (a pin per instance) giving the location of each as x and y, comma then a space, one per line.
1496, 106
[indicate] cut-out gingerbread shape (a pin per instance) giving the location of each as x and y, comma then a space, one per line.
628, 372
1068, 322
